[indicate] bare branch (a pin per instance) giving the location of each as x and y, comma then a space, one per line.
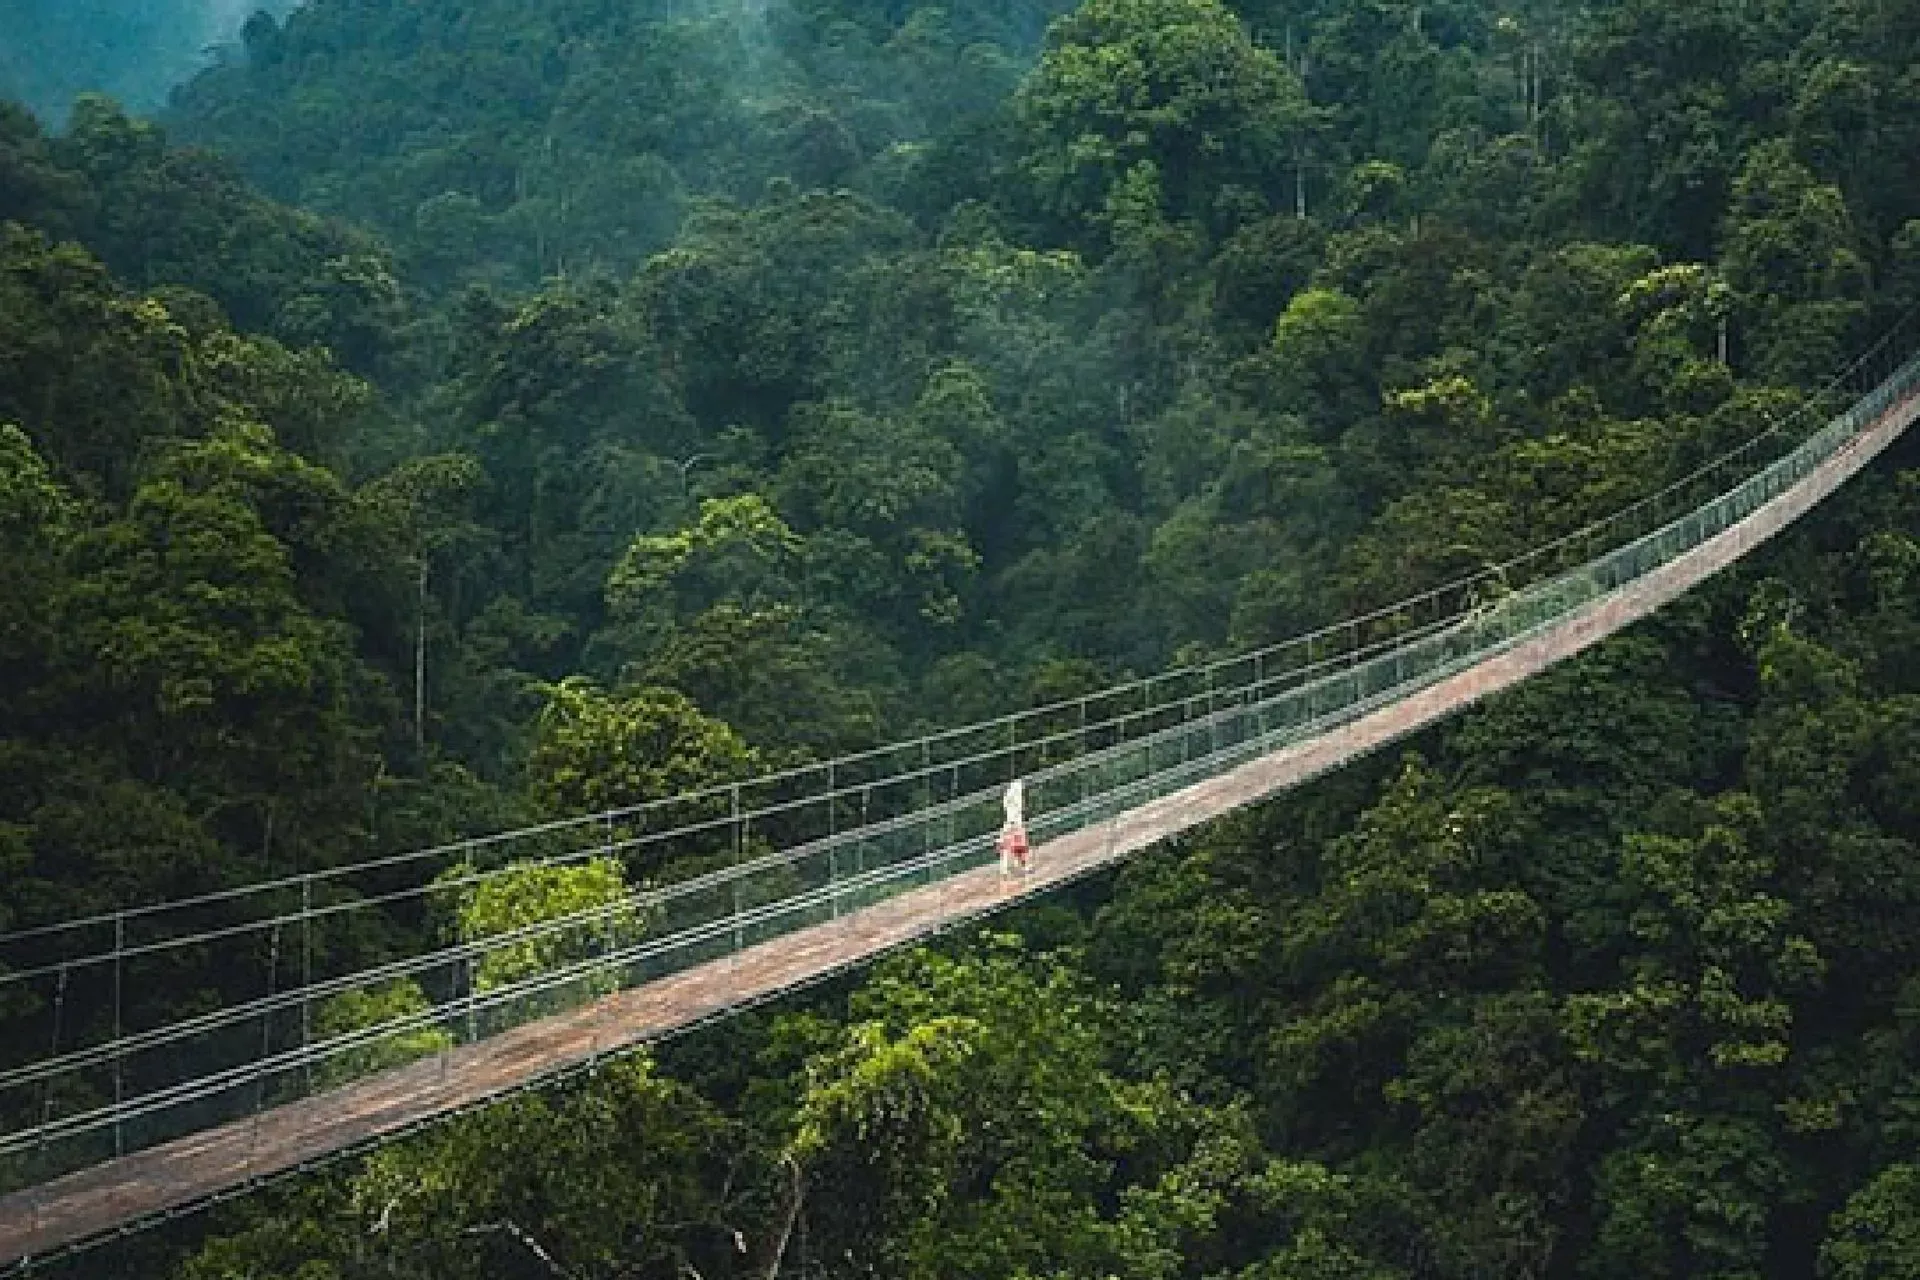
777, 1251
511, 1228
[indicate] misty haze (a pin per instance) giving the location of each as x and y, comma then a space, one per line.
132, 50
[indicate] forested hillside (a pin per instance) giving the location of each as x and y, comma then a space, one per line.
505, 409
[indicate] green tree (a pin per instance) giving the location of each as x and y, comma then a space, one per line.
364, 1009
1171, 87
37, 518
1794, 263
522, 896
596, 751
675, 1187
1876, 1234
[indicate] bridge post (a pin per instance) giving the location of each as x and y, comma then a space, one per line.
306, 981
1146, 747
833, 847
739, 856
1310, 683
746, 832
46, 1093
953, 815
119, 1054
1186, 730
466, 958
266, 1016
1213, 720
1257, 719
1079, 774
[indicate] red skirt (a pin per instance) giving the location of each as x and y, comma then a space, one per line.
1013, 844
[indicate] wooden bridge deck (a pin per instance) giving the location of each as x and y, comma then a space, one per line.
195, 1169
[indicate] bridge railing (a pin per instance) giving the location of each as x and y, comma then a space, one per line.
811, 800
928, 813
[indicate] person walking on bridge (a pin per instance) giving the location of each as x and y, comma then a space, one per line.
1013, 832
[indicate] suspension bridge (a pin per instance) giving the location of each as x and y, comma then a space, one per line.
776, 882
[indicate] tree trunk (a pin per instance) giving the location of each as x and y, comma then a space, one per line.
420, 665
769, 1268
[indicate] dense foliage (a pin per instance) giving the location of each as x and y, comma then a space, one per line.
688, 391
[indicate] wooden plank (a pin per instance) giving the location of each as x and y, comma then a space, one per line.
192, 1170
